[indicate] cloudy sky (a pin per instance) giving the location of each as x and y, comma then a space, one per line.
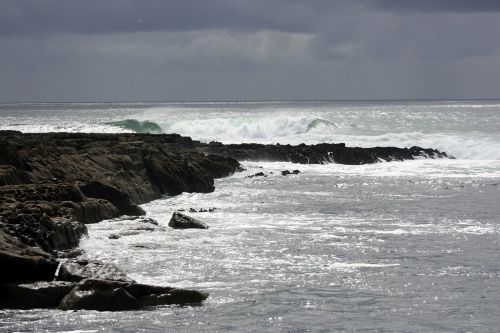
173, 50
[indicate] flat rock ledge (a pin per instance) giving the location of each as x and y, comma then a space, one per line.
93, 285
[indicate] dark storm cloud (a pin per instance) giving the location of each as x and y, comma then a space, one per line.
248, 49
27, 17
465, 6
98, 16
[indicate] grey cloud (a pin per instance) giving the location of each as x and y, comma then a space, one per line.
465, 6
97, 16
77, 50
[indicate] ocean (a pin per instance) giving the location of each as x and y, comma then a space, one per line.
407, 246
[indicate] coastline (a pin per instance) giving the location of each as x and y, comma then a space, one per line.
52, 184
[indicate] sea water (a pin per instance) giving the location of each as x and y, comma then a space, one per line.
407, 246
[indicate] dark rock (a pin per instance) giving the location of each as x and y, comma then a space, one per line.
192, 210
288, 172
155, 295
181, 221
101, 299
106, 295
258, 174
118, 198
34, 295
319, 153
22, 263
92, 210
75, 271
175, 296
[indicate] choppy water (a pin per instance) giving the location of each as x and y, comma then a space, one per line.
403, 246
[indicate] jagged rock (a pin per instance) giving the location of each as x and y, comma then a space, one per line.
92, 210
34, 295
174, 296
288, 172
258, 174
105, 295
22, 263
9, 175
75, 271
119, 199
181, 221
319, 153
101, 299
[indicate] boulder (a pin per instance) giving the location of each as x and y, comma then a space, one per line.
175, 296
118, 198
156, 295
182, 221
101, 299
288, 172
34, 295
78, 270
22, 263
258, 174
106, 295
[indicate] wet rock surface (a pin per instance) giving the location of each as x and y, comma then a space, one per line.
288, 172
182, 221
34, 295
52, 184
319, 153
106, 295
23, 263
78, 270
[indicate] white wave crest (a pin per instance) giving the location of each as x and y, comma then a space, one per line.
461, 146
245, 129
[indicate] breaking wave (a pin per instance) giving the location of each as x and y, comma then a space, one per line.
312, 130
460, 146
230, 129
138, 126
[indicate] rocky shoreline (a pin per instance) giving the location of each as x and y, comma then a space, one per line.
53, 184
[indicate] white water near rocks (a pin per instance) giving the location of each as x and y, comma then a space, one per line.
403, 246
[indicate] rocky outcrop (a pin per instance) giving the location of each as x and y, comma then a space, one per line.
22, 263
288, 172
106, 295
76, 271
52, 184
40, 294
182, 221
318, 154
91, 285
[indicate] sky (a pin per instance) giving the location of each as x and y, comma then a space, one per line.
218, 50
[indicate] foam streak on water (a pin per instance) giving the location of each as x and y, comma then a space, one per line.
390, 247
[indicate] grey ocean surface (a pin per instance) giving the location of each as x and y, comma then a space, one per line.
391, 247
